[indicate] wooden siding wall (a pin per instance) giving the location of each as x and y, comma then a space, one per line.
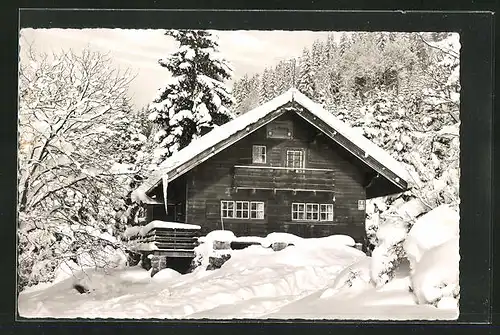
212, 181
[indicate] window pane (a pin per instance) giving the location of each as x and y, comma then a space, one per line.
259, 154
326, 212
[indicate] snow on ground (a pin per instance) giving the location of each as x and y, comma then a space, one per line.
313, 279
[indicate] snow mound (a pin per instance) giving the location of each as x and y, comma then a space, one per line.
165, 275
437, 273
219, 235
430, 230
280, 238
353, 278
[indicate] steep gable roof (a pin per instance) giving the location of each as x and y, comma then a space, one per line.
223, 136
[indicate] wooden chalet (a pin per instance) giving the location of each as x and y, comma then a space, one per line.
286, 166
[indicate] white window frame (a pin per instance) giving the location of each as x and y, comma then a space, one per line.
302, 158
327, 210
301, 211
257, 211
262, 153
229, 210
241, 211
296, 210
312, 208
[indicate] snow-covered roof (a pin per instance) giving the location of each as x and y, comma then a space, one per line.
221, 133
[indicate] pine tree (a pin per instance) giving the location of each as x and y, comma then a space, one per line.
266, 91
196, 98
344, 43
306, 80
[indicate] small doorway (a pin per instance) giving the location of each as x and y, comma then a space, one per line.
176, 212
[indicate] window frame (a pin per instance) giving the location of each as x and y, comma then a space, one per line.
312, 212
242, 209
257, 211
302, 157
328, 212
227, 209
255, 146
299, 211
315, 210
235, 211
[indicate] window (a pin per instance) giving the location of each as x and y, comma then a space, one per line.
298, 211
256, 210
326, 212
259, 154
312, 212
295, 159
227, 209
242, 209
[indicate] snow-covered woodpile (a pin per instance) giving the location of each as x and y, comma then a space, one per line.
171, 239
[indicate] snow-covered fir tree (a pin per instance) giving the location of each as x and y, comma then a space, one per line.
266, 87
196, 99
306, 82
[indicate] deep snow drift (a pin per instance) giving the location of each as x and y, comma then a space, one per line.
314, 279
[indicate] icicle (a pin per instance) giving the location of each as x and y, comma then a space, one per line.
164, 181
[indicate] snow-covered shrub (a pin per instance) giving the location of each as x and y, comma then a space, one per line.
431, 230
213, 245
389, 252
433, 251
352, 278
436, 275
216, 262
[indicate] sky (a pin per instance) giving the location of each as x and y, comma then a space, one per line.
249, 52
